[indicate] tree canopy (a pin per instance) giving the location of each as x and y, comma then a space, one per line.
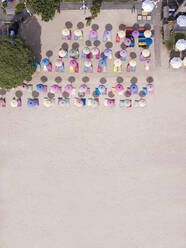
45, 8
16, 62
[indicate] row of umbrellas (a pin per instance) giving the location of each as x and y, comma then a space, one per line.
77, 32
181, 44
135, 34
176, 62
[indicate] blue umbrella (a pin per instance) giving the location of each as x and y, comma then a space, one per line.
134, 88
148, 41
102, 63
107, 52
36, 63
45, 62
40, 87
30, 103
101, 88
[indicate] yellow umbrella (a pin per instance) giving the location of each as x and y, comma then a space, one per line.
62, 53
117, 62
121, 34
65, 32
13, 103
145, 53
47, 103
132, 63
78, 32
147, 33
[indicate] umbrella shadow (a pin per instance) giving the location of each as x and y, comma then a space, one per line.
122, 27
68, 24
147, 26
88, 43
95, 27
117, 54
49, 53
108, 27
65, 94
65, 46
110, 94
35, 94
19, 94
133, 80
97, 43
136, 26
174, 53
109, 45
75, 45
51, 95
119, 80
81, 94
85, 79
58, 79
150, 79
80, 25
31, 32
103, 80
123, 46
71, 79
133, 55
127, 94
44, 79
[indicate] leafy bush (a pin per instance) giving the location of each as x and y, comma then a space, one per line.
19, 8
16, 60
45, 8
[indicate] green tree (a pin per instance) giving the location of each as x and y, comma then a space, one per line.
45, 8
16, 62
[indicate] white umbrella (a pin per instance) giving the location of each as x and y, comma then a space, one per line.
14, 103
62, 53
148, 6
47, 103
121, 34
184, 61
58, 63
95, 50
147, 33
132, 63
117, 62
145, 53
181, 21
176, 62
142, 103
181, 44
78, 32
87, 63
65, 32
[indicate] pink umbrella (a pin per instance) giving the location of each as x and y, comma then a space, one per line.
24, 86
127, 41
135, 33
79, 102
68, 88
55, 88
111, 102
119, 87
83, 88
123, 53
73, 63
93, 34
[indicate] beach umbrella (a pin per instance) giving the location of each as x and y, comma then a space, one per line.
68, 88
134, 88
110, 102
93, 33
24, 86
107, 52
40, 87
102, 63
13, 103
73, 63
79, 102
87, 63
117, 62
127, 41
55, 88
127, 103
47, 103
181, 21
95, 50
101, 88
148, 41
148, 6
78, 32
74, 52
123, 53
132, 63
58, 63
181, 44
62, 102
119, 87
142, 103
36, 64
145, 53
121, 34
83, 88
135, 33
147, 62
147, 34
62, 53
184, 61
86, 50
65, 32
45, 61
30, 103
176, 62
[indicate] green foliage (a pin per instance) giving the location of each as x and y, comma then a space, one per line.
16, 62
19, 8
3, 10
4, 4
88, 21
95, 9
45, 8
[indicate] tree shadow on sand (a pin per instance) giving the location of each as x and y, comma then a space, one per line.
31, 32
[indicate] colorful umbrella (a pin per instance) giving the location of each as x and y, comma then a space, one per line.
148, 41
142, 103
135, 33
147, 34
127, 41
30, 103
68, 88
147, 62
73, 63
65, 32
119, 87
55, 88
93, 33
176, 62
102, 63
45, 62
58, 63
83, 88
121, 34
117, 62
95, 50
145, 53
74, 52
13, 103
107, 52
132, 63
101, 88
111, 102
62, 53
134, 88
40, 87
47, 103
123, 53
127, 103
86, 50
78, 32
87, 63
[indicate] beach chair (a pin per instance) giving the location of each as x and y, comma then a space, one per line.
115, 68
150, 88
3, 102
71, 69
69, 36
117, 38
105, 103
85, 69
62, 69
133, 69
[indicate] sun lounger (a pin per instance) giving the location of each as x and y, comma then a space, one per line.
122, 103
85, 69
115, 68
71, 69
69, 36
63, 37
66, 55
3, 102
87, 93
150, 88
123, 58
84, 101
38, 69
30, 88
119, 68
104, 69
141, 57
128, 68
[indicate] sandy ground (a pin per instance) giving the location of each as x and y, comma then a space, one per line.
96, 177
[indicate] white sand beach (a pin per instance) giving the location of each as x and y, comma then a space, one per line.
83, 177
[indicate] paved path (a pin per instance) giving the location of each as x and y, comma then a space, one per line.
157, 38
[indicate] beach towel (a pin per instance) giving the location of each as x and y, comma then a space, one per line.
50, 67
98, 56
71, 69
91, 69
117, 38
85, 69
62, 68
133, 69
75, 37
99, 69
77, 68
115, 68
56, 69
